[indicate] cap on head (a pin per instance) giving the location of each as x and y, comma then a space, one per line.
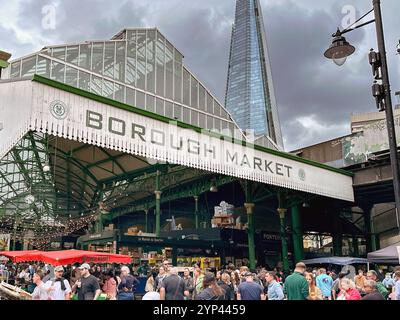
58, 268
248, 274
84, 266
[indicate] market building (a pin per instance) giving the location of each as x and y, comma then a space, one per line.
119, 138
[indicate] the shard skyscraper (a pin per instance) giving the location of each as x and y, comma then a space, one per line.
250, 94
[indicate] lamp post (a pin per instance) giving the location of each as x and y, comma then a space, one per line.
340, 50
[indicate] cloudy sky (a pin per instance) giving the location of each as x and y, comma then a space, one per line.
315, 97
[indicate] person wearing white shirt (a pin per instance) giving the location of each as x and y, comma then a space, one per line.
40, 292
58, 288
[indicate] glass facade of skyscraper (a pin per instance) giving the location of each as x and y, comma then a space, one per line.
250, 95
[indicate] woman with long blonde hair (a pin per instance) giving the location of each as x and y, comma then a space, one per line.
314, 292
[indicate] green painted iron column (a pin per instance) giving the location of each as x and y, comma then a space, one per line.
158, 204
196, 211
250, 233
298, 246
285, 258
15, 234
146, 212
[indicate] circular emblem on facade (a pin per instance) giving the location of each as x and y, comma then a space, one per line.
59, 110
302, 175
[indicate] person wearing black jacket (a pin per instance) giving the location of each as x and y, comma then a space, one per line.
226, 285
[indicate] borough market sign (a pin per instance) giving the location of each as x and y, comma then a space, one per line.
47, 106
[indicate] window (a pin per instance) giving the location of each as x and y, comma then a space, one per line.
16, 69
84, 81
178, 78
57, 71
194, 120
73, 54
71, 76
210, 105
178, 112
186, 87
85, 56
186, 115
43, 67
202, 98
141, 60
59, 53
169, 109
160, 60
140, 100
131, 61
150, 102
96, 85
120, 62
119, 92
202, 120
97, 59
108, 89
194, 90
29, 67
130, 97
150, 66
160, 106
109, 56
169, 71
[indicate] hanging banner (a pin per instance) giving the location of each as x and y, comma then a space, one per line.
5, 242
80, 116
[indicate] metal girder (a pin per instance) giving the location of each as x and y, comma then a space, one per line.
180, 192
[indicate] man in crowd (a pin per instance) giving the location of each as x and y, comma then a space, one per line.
40, 292
372, 275
371, 291
162, 274
296, 285
126, 288
58, 288
388, 282
173, 287
325, 283
360, 279
249, 290
188, 280
89, 288
275, 291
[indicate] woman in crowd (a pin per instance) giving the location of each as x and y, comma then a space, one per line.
235, 279
150, 283
348, 290
226, 285
212, 291
198, 282
315, 292
110, 285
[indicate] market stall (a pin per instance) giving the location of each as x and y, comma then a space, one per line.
65, 257
388, 255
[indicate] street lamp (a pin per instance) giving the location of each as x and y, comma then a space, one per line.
341, 49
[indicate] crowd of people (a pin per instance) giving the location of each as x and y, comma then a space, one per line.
165, 282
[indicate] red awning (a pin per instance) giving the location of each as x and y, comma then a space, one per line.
22, 256
65, 257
